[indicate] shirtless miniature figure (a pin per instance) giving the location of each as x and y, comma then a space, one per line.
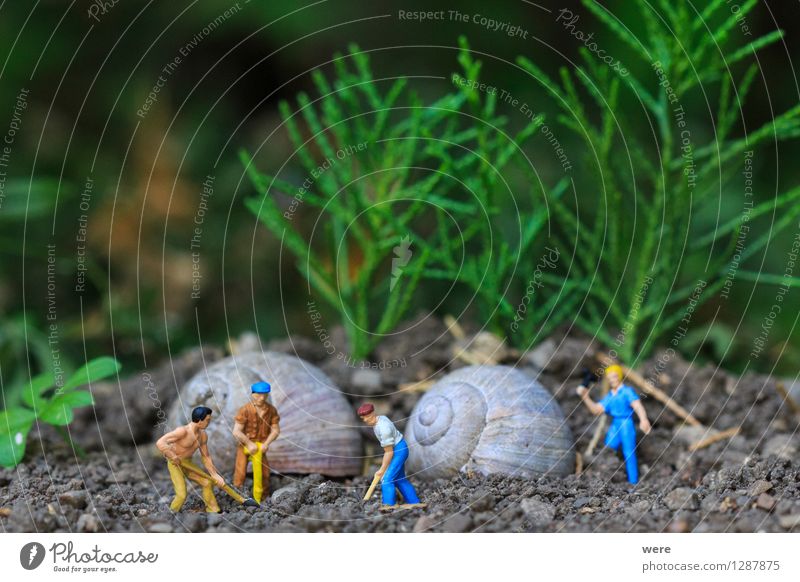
179, 445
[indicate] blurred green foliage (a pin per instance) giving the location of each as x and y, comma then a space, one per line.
87, 79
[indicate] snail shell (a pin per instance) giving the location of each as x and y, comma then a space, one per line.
318, 425
488, 419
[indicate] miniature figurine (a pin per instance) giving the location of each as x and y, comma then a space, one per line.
395, 452
178, 446
620, 403
256, 427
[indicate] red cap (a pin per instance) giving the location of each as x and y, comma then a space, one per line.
365, 410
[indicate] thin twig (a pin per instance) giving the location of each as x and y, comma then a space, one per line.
578, 463
595, 437
648, 388
454, 327
714, 438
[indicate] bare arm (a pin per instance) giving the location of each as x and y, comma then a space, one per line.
638, 408
238, 434
274, 432
388, 453
208, 463
166, 444
594, 407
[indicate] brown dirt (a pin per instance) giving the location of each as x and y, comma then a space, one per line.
748, 483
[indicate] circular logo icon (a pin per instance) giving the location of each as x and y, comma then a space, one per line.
31, 555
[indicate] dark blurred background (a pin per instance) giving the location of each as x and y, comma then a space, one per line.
85, 137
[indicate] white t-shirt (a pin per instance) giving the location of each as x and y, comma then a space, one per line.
386, 432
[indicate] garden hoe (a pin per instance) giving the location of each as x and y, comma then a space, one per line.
246, 501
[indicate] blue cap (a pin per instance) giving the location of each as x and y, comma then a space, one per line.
261, 388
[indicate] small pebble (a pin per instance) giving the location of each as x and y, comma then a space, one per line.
765, 501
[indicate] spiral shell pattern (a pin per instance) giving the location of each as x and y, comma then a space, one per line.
319, 431
488, 419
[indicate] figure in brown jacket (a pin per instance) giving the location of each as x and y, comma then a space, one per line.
255, 427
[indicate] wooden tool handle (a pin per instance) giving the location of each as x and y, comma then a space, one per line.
198, 471
371, 489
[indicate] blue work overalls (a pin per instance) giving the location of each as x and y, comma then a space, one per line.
622, 432
395, 477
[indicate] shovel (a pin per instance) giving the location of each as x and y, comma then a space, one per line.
246, 501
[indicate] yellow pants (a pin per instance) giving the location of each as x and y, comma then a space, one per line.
260, 471
178, 477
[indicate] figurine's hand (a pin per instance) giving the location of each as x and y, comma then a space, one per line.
582, 391
252, 448
379, 473
218, 480
589, 377
644, 424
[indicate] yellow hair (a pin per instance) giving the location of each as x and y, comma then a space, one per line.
615, 368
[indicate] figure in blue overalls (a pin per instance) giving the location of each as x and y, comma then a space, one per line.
395, 452
620, 403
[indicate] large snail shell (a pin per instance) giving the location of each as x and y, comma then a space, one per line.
488, 419
319, 431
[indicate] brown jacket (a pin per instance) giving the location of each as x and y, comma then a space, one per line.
253, 425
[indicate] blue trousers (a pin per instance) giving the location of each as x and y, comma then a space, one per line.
622, 435
395, 478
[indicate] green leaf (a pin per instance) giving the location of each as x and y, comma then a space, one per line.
59, 411
15, 424
93, 371
32, 393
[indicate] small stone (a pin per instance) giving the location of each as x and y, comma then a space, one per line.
88, 523
784, 446
424, 523
283, 491
581, 501
367, 381
789, 521
481, 500
539, 357
160, 528
538, 512
77, 499
681, 498
214, 519
679, 525
766, 502
759, 487
457, 523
